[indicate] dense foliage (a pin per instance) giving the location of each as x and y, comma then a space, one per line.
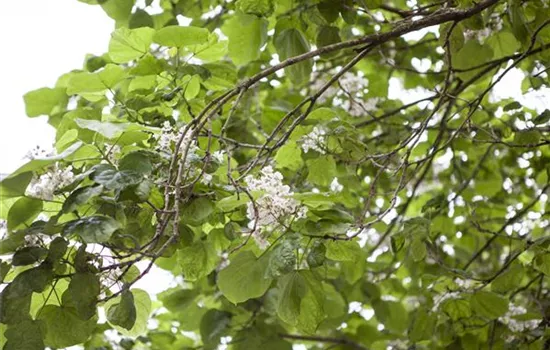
252, 149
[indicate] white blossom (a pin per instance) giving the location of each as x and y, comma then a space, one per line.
352, 83
275, 204
518, 325
464, 284
168, 138
218, 156
335, 186
441, 298
113, 152
3, 228
357, 108
206, 179
44, 187
314, 140
330, 92
38, 152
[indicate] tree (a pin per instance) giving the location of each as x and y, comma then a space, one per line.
257, 154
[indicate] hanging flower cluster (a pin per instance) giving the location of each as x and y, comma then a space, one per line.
314, 140
45, 186
518, 325
275, 204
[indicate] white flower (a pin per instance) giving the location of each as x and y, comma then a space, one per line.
206, 179
441, 298
114, 152
518, 325
218, 156
318, 83
44, 187
314, 140
275, 205
357, 108
168, 137
335, 186
353, 84
38, 152
3, 228
464, 284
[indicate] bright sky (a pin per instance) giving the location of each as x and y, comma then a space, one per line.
41, 40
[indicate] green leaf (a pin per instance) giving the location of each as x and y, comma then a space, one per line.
83, 292
4, 269
107, 129
197, 211
177, 36
113, 179
28, 255
508, 280
456, 308
24, 211
418, 250
142, 303
291, 43
118, 10
343, 250
92, 229
301, 301
542, 263
292, 289
512, 106
503, 44
26, 335
489, 305
321, 170
527, 137
244, 278
247, 34
213, 326
328, 35
392, 314
289, 156
137, 161
81, 196
15, 186
472, 54
422, 325
176, 299
542, 118
316, 256
45, 101
282, 259
63, 327
197, 260
123, 314
129, 44
193, 87
256, 7
58, 247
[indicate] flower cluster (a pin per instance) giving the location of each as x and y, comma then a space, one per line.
275, 204
47, 184
518, 325
169, 137
441, 298
314, 140
3, 229
38, 152
335, 186
358, 108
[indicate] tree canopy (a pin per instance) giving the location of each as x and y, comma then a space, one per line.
257, 150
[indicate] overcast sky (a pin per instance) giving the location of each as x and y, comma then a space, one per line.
41, 40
